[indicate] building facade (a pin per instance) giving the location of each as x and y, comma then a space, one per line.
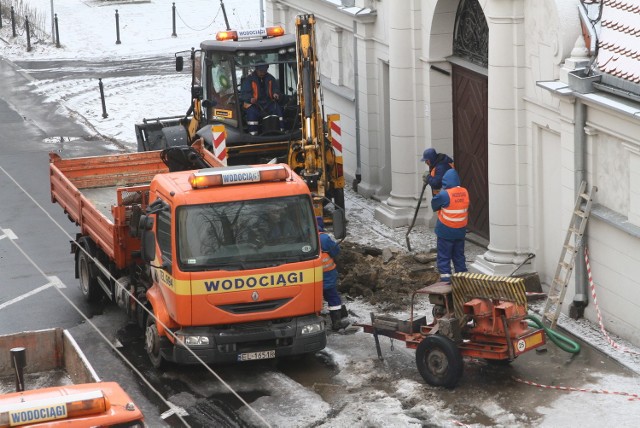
531, 97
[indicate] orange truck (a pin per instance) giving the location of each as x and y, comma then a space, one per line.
69, 392
226, 259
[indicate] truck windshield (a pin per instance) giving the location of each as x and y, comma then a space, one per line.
246, 234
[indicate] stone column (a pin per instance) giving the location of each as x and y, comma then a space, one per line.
276, 14
399, 208
508, 201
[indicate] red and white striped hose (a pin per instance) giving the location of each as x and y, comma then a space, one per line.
569, 388
595, 302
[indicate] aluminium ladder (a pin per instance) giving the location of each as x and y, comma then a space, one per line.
572, 244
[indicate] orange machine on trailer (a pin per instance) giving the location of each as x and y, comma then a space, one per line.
479, 316
226, 258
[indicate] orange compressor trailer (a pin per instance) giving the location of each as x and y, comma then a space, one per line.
226, 258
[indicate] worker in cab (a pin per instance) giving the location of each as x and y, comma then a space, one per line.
437, 165
281, 227
260, 94
452, 206
330, 249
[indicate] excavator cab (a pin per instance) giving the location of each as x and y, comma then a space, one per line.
294, 132
227, 63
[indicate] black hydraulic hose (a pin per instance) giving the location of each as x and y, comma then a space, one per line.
560, 340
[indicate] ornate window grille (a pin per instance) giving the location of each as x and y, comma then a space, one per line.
471, 33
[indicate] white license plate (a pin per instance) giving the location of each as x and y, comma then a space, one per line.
262, 355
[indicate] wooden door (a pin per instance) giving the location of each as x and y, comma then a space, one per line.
470, 143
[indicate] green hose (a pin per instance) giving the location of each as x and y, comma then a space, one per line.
561, 341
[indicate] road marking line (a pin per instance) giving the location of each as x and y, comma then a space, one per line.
8, 233
54, 281
177, 410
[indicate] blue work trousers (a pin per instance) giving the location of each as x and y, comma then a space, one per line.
330, 290
256, 113
450, 250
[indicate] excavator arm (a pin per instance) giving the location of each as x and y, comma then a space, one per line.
313, 157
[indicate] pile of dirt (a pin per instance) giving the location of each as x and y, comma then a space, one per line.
383, 277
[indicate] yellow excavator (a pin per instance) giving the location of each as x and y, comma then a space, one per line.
303, 138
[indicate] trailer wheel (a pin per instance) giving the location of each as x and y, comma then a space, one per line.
439, 361
154, 343
88, 279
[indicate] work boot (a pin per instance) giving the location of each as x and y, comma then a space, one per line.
337, 321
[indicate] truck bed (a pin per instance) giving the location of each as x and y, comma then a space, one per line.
97, 192
103, 198
62, 364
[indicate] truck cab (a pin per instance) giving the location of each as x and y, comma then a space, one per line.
235, 264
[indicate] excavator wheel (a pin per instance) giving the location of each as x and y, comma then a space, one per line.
439, 361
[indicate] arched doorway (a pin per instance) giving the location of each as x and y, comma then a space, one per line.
470, 110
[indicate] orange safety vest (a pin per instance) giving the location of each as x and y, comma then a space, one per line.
433, 174
254, 87
433, 170
456, 214
327, 262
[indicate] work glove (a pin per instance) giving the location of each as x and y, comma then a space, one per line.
425, 177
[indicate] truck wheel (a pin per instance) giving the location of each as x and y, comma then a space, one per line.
439, 361
88, 278
154, 343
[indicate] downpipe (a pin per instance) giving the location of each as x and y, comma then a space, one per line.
581, 296
358, 178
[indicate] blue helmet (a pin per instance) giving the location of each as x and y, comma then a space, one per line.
429, 155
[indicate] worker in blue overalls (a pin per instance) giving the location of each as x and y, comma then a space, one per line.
260, 94
331, 249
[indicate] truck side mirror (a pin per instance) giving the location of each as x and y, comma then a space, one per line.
339, 224
148, 250
146, 223
147, 238
179, 63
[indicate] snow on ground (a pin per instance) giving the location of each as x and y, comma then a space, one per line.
87, 31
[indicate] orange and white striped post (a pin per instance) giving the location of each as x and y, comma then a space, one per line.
220, 143
335, 134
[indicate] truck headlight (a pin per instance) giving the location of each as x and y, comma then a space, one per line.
193, 340
312, 328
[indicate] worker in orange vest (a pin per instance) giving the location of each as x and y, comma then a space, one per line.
438, 164
331, 249
452, 206
260, 94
